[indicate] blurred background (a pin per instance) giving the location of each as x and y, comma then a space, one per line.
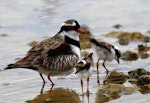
22, 21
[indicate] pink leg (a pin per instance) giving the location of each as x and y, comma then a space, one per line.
48, 76
107, 71
88, 92
97, 66
82, 87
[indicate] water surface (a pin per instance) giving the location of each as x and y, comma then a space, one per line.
24, 21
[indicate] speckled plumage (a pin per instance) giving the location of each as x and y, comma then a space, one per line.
105, 52
56, 55
84, 69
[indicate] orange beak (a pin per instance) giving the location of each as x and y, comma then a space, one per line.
80, 31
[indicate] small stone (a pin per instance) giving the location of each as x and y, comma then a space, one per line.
116, 77
144, 55
144, 79
129, 56
33, 43
135, 74
117, 26
144, 89
3, 35
123, 41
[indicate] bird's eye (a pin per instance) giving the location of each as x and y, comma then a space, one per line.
71, 28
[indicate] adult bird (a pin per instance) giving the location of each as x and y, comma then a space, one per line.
105, 52
84, 70
56, 55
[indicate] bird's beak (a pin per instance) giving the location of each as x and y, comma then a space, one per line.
118, 61
80, 31
77, 70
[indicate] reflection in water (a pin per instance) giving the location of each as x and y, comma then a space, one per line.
57, 95
87, 97
44, 86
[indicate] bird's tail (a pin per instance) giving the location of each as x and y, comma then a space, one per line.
9, 66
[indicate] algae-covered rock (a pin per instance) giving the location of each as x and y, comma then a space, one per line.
129, 56
135, 74
112, 34
108, 92
33, 43
112, 91
132, 36
101, 96
85, 38
116, 77
144, 55
130, 90
143, 48
144, 79
144, 89
125, 37
117, 26
123, 41
58, 95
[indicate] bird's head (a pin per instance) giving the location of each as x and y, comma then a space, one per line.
71, 25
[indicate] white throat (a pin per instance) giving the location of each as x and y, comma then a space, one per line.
72, 34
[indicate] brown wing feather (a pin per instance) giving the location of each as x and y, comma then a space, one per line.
62, 49
37, 53
106, 46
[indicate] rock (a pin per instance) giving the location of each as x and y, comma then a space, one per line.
84, 40
144, 79
144, 55
3, 35
57, 95
146, 39
112, 91
130, 90
135, 74
116, 77
143, 48
129, 36
133, 36
108, 92
132, 81
112, 34
123, 41
117, 26
101, 96
33, 43
144, 89
129, 56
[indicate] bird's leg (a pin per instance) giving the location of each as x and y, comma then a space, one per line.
43, 83
107, 71
41, 92
82, 87
48, 76
87, 92
42, 78
97, 66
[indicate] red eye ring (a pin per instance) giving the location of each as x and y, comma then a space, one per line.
71, 28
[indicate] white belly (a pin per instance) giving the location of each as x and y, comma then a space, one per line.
105, 55
84, 74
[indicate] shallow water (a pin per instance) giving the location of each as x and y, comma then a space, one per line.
24, 21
